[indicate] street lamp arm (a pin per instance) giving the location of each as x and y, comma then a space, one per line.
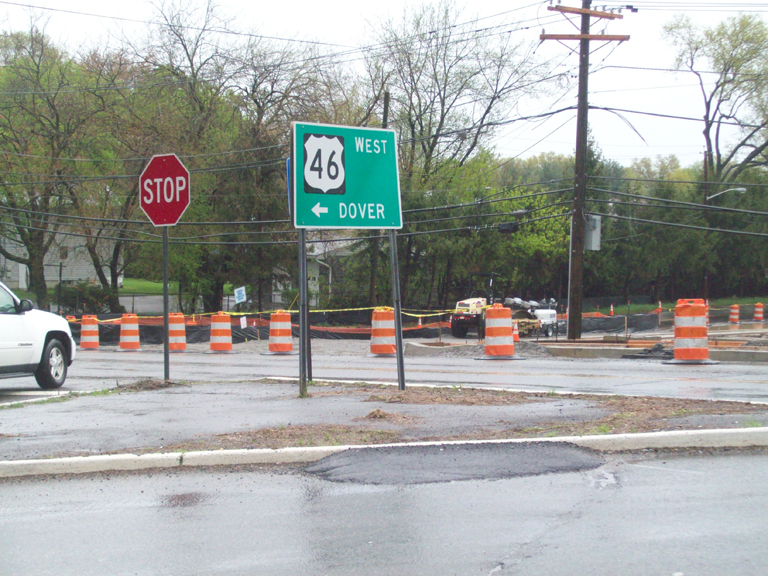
739, 190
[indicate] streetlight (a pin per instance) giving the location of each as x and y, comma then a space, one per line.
739, 190
706, 201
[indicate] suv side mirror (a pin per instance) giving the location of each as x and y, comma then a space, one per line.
26, 306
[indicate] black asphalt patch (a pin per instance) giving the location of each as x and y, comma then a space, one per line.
450, 463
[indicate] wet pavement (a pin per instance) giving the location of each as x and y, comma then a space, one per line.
700, 515
427, 464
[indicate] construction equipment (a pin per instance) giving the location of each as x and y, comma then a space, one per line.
469, 314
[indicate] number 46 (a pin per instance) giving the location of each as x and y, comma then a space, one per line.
332, 168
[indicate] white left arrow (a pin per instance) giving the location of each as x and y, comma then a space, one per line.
317, 209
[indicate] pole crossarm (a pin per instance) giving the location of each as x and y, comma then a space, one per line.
595, 13
599, 37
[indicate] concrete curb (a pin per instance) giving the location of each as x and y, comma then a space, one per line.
720, 355
722, 438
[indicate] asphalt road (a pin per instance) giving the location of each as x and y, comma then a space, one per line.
668, 515
727, 381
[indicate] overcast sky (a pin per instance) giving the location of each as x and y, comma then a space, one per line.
613, 83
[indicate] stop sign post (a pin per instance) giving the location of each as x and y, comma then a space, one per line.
164, 197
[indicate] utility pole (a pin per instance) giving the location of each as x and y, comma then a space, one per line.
576, 257
706, 216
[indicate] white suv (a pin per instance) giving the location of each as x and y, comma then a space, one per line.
33, 342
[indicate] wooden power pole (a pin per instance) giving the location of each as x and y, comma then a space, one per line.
576, 273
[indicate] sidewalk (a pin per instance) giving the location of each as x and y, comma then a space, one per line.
150, 424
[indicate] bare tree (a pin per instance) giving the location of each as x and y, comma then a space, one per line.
451, 85
730, 63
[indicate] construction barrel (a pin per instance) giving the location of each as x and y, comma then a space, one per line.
383, 332
89, 333
221, 333
129, 333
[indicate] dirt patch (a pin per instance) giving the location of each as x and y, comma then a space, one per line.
638, 414
396, 418
443, 395
454, 395
285, 436
147, 385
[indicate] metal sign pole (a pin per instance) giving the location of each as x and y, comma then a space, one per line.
166, 348
398, 318
302, 310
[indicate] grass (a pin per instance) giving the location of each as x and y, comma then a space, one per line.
749, 423
139, 386
53, 400
139, 286
621, 309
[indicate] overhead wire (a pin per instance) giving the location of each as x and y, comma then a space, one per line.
676, 225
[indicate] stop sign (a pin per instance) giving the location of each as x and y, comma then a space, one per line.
164, 189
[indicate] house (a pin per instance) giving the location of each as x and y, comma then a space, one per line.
319, 272
68, 257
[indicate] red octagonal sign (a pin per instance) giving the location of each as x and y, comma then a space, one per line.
164, 189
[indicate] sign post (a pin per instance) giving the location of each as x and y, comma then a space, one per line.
164, 197
344, 177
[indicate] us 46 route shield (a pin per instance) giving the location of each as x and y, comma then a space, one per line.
345, 177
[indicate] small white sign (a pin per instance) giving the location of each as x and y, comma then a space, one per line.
240, 295
243, 322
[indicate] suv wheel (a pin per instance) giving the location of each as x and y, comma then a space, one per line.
53, 366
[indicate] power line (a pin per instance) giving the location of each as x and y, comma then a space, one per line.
682, 203
673, 117
676, 70
660, 181
485, 215
481, 201
674, 225
150, 23
140, 222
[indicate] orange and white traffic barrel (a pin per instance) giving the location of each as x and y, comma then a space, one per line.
611, 309
383, 341
89, 333
758, 312
221, 333
129, 332
499, 339
280, 333
177, 332
733, 317
691, 336
515, 332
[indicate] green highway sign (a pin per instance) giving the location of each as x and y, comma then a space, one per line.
345, 177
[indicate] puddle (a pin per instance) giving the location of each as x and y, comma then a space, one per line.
183, 500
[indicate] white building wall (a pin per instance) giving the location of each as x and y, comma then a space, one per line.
77, 265
313, 274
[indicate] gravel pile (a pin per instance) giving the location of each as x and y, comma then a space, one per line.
522, 348
363, 347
